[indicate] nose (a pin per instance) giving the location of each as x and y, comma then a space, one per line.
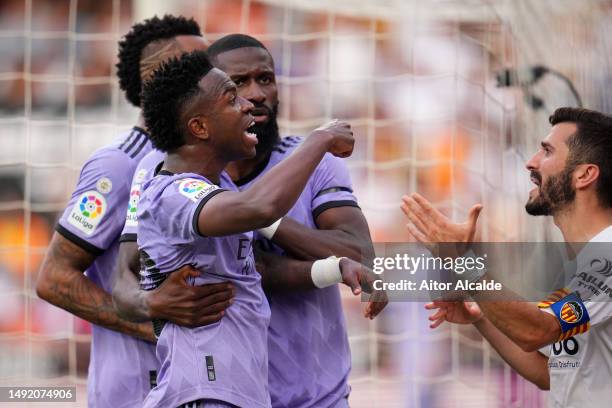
532, 164
254, 93
245, 104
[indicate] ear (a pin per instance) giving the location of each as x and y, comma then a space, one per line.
197, 127
586, 175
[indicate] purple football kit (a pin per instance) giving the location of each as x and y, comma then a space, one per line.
226, 361
121, 368
309, 355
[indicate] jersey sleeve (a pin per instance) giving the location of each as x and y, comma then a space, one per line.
183, 203
331, 186
95, 213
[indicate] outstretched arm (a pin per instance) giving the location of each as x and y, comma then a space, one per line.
270, 197
523, 322
62, 282
531, 365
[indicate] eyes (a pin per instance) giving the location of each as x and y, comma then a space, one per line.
261, 80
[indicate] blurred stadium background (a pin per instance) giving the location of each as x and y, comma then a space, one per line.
416, 78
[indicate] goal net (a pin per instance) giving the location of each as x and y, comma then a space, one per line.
416, 79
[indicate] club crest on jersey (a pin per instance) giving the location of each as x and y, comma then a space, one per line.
130, 218
104, 185
87, 212
195, 189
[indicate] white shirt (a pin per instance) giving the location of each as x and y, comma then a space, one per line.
580, 366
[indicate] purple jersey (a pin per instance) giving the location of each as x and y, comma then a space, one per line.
227, 360
121, 368
309, 355
144, 172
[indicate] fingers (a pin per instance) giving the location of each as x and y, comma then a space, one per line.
416, 215
435, 215
210, 289
375, 306
184, 273
214, 298
438, 315
473, 218
437, 323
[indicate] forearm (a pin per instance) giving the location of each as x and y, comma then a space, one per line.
532, 365
280, 273
129, 300
311, 244
521, 321
279, 188
80, 296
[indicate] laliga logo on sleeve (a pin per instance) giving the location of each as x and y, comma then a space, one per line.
571, 312
87, 212
195, 189
131, 218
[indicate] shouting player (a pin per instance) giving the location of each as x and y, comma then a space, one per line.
572, 172
191, 213
122, 366
304, 372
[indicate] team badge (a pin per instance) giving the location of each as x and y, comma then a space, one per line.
571, 312
140, 176
87, 212
131, 219
104, 185
195, 189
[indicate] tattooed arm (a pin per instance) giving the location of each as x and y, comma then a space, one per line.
61, 281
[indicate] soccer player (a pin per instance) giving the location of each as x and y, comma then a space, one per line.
191, 213
572, 172
334, 225
122, 365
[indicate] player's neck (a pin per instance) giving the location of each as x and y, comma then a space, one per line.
241, 169
583, 219
195, 159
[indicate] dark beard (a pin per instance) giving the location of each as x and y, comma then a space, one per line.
267, 133
554, 194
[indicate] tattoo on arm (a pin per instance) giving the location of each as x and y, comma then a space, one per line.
63, 284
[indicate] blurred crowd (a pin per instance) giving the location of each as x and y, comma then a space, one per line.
428, 117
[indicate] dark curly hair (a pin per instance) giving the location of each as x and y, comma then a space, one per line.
141, 35
173, 84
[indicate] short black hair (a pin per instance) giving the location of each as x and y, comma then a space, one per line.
141, 35
172, 84
232, 42
591, 144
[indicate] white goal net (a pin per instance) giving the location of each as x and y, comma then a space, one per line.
415, 78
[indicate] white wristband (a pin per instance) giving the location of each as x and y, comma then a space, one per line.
326, 272
269, 231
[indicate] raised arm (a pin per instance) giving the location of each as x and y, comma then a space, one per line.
174, 300
270, 197
521, 321
62, 282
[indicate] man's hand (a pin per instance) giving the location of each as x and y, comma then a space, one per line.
453, 312
177, 301
342, 140
429, 226
357, 276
